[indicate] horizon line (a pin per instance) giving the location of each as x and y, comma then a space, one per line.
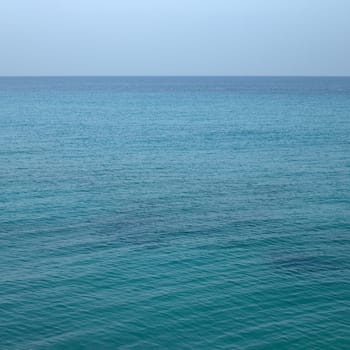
174, 76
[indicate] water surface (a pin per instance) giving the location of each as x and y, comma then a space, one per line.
174, 213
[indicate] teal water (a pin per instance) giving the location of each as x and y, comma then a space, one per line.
174, 213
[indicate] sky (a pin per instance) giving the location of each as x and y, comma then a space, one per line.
174, 37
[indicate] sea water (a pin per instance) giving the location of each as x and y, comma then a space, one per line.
174, 213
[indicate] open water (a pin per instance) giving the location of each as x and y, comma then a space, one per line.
174, 213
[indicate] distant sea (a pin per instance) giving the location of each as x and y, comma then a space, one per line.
175, 213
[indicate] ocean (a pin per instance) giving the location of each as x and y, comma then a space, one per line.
174, 213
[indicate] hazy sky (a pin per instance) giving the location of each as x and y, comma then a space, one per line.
175, 37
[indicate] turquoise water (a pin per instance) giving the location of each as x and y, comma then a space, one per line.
174, 213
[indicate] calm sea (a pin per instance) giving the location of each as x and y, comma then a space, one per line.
175, 213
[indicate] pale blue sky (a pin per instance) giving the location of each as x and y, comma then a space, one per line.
175, 37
